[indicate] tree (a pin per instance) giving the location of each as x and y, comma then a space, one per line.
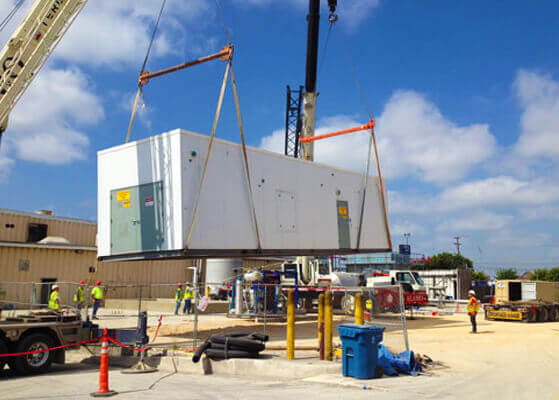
506, 273
540, 274
450, 261
479, 276
554, 274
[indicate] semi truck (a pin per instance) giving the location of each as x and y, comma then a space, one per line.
527, 301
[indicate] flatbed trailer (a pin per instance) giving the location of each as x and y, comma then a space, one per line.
42, 330
523, 311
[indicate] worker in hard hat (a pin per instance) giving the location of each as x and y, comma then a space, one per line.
178, 297
473, 308
97, 298
54, 299
79, 296
188, 295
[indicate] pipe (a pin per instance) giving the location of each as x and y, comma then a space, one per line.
359, 309
367, 126
291, 325
328, 325
321, 325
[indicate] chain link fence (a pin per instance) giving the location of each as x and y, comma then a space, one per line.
191, 313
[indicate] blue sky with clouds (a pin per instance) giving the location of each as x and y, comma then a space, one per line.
466, 97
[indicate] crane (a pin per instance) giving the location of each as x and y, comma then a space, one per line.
29, 48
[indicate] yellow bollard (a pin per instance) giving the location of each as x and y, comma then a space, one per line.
328, 325
208, 292
321, 326
291, 325
359, 309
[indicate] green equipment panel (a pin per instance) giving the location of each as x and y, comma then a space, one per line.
343, 224
137, 218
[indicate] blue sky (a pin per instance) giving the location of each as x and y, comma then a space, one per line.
466, 97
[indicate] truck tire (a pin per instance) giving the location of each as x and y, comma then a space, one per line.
543, 314
532, 316
34, 363
554, 314
3, 350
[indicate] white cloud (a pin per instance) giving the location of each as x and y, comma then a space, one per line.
515, 240
501, 191
42, 127
113, 33
476, 221
6, 164
416, 139
538, 95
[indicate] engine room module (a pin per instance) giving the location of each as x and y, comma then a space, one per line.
148, 192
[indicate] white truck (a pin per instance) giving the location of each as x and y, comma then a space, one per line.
313, 276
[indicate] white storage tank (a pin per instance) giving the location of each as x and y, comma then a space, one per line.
148, 191
220, 272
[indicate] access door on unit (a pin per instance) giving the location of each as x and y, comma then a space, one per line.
137, 218
343, 224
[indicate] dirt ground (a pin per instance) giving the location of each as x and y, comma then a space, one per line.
506, 357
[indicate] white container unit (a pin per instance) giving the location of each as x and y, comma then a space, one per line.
147, 191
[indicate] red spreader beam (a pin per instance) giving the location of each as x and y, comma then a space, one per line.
367, 126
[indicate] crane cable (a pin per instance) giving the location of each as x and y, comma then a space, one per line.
140, 93
372, 145
10, 15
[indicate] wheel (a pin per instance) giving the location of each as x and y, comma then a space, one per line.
554, 314
34, 363
3, 350
532, 315
543, 314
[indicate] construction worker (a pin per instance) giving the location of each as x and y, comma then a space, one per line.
473, 308
178, 297
79, 296
97, 298
54, 300
188, 295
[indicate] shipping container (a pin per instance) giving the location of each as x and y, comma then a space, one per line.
148, 191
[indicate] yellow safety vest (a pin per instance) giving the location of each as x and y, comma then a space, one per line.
97, 293
188, 293
178, 295
79, 296
473, 306
53, 303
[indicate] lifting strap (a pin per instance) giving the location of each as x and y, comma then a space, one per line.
228, 70
245, 156
134, 110
210, 146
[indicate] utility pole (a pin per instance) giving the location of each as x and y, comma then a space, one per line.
457, 244
407, 237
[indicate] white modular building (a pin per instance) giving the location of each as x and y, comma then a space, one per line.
148, 192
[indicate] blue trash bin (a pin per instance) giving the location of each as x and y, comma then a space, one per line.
360, 350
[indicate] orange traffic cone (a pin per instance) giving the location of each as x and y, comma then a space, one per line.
104, 369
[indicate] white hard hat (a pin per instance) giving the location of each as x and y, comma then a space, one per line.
472, 292
55, 287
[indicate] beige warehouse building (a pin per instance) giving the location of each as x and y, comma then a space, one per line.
41, 248
37, 249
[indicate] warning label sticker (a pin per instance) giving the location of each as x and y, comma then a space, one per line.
148, 202
123, 195
126, 204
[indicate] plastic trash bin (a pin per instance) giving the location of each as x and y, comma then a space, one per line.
360, 350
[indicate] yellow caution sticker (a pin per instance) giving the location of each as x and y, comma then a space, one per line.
342, 210
504, 314
123, 195
126, 204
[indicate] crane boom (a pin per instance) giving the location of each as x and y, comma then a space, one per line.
30, 46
